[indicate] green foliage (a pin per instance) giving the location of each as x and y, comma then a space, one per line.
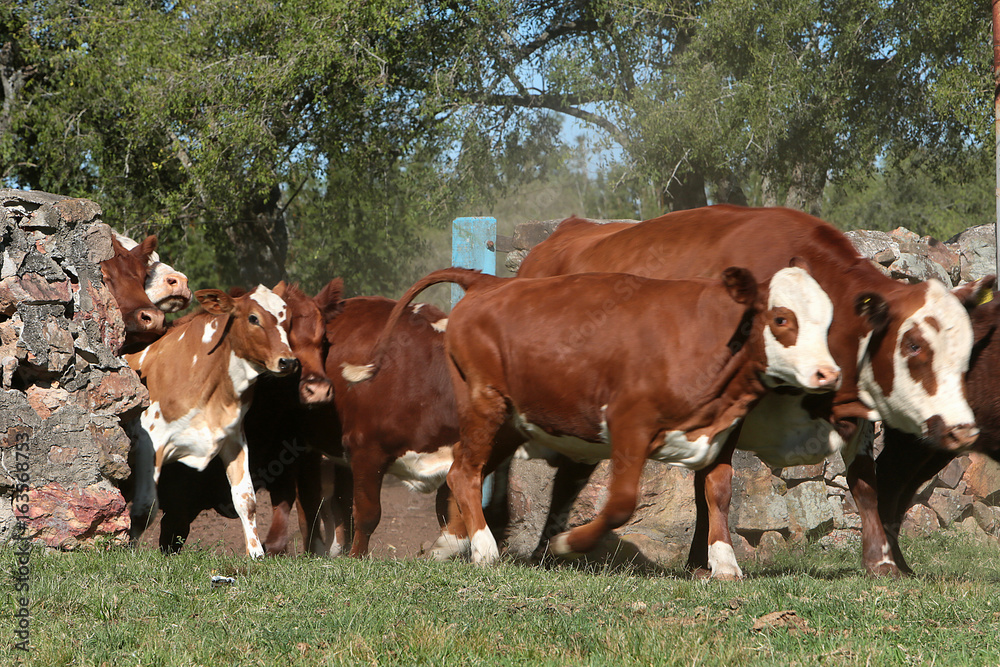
919, 193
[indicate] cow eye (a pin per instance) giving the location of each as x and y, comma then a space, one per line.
253, 320
913, 349
780, 321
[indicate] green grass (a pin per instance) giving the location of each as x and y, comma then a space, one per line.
121, 607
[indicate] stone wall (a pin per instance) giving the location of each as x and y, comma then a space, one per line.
63, 389
769, 506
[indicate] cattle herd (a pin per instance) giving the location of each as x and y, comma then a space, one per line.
677, 339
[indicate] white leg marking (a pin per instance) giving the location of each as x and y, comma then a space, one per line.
484, 547
559, 546
722, 561
449, 546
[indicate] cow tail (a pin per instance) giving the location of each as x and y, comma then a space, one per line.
465, 278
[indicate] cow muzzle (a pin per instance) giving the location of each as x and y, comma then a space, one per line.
315, 390
954, 439
287, 365
826, 378
145, 320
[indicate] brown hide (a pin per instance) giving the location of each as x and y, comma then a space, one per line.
125, 275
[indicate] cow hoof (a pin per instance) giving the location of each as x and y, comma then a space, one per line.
484, 548
559, 546
447, 546
701, 573
885, 569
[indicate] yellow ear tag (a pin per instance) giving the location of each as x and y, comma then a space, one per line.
985, 297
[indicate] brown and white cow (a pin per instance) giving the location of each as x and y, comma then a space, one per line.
273, 428
125, 275
907, 372
615, 366
906, 462
199, 375
165, 286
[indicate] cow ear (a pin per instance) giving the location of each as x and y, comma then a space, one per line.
740, 284
145, 249
236, 292
800, 263
215, 301
329, 299
280, 288
874, 308
977, 292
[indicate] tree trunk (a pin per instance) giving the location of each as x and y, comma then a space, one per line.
686, 191
729, 191
805, 192
260, 242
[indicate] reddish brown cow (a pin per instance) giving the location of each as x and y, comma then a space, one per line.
272, 427
614, 366
909, 373
199, 375
125, 276
906, 462
403, 422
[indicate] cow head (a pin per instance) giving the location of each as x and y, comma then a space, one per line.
307, 336
797, 321
791, 316
913, 362
167, 288
255, 327
125, 276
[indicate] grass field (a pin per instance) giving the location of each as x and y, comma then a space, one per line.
120, 607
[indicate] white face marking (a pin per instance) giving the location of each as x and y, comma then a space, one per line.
798, 364
484, 547
210, 328
909, 406
273, 304
722, 561
423, 473
449, 546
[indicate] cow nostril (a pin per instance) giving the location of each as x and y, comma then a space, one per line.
288, 364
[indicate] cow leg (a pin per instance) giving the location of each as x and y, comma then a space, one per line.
454, 540
482, 411
711, 553
234, 457
570, 478
282, 492
718, 485
861, 478
628, 456
903, 466
145, 475
175, 527
368, 472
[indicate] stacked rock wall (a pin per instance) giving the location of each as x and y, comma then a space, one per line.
769, 506
63, 389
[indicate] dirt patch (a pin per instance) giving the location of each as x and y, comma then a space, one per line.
408, 525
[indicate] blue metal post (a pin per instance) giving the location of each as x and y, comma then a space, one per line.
469, 250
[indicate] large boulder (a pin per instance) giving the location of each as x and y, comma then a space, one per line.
64, 391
